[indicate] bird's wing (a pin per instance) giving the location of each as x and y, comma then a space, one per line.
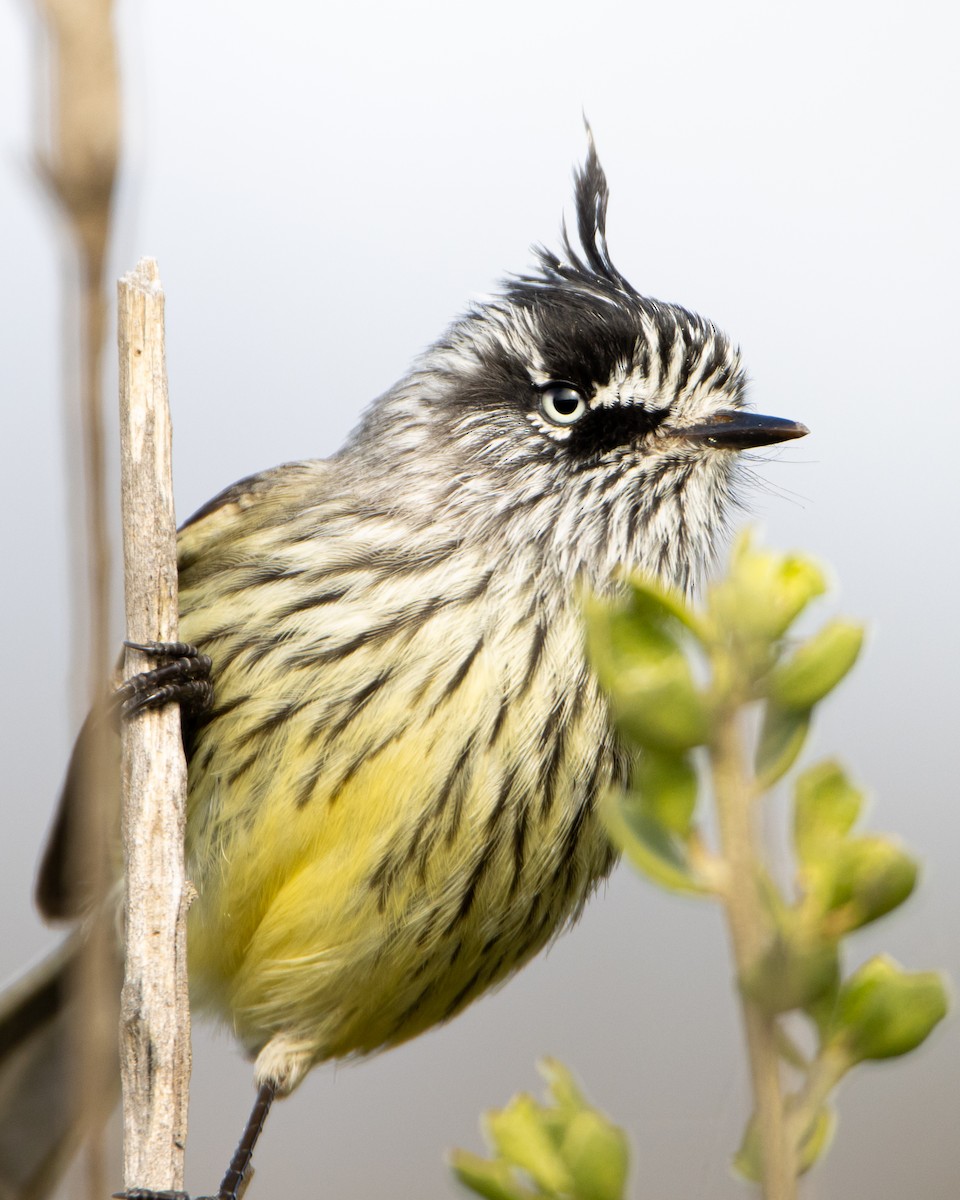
247, 491
209, 527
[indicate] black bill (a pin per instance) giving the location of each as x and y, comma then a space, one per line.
733, 429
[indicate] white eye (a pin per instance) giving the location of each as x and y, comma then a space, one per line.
562, 404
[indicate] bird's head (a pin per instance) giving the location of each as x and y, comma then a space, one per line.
571, 415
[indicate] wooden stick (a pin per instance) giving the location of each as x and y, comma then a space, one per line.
155, 1016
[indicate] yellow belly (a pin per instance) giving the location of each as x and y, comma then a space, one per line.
392, 804
359, 884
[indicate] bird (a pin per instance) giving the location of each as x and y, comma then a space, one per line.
394, 779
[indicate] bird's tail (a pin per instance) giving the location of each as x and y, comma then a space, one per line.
43, 1118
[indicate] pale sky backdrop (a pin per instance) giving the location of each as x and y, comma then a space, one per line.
325, 186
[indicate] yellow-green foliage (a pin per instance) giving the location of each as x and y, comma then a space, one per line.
681, 681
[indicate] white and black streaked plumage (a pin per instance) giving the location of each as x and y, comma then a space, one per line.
621, 485
413, 698
393, 796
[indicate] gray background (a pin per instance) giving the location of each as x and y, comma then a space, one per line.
325, 186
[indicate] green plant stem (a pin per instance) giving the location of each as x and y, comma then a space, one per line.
824, 1074
734, 791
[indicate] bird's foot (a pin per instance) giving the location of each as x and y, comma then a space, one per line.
184, 679
167, 1194
150, 1194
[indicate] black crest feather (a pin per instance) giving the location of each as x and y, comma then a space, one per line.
588, 265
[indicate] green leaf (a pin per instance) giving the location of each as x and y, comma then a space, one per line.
495, 1180
667, 785
782, 736
649, 845
520, 1134
883, 1011
794, 971
645, 672
816, 667
664, 607
826, 807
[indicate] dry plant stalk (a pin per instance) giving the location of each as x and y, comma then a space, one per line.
80, 165
78, 158
155, 1015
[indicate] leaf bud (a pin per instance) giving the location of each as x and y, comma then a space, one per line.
861, 879
494, 1179
520, 1134
562, 1086
884, 1011
794, 971
826, 807
764, 592
596, 1152
816, 667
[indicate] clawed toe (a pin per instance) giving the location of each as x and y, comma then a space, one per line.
184, 680
150, 1194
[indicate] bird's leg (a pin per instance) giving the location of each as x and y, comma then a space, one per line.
239, 1164
232, 1181
184, 679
